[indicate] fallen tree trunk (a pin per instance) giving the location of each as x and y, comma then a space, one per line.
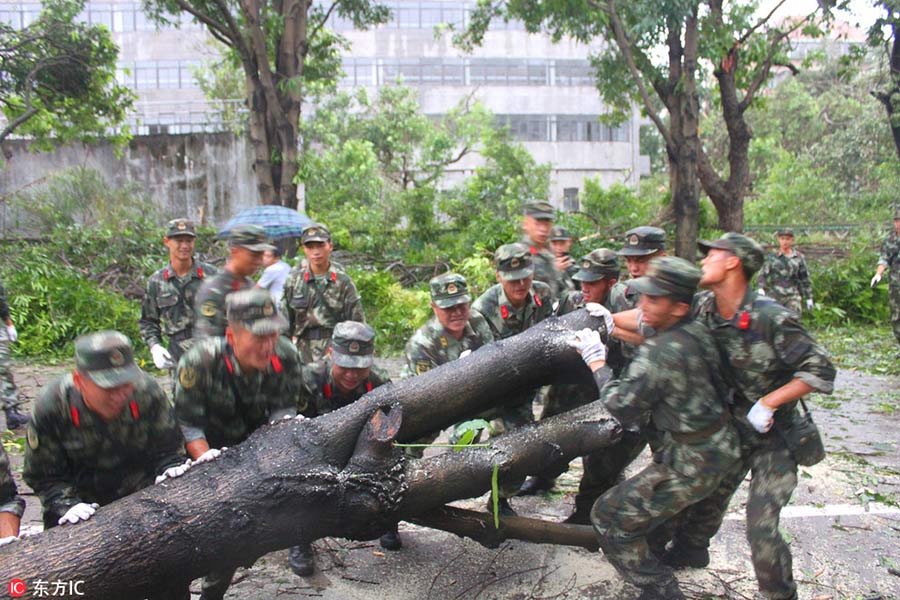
337, 475
479, 526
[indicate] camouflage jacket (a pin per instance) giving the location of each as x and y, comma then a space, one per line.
430, 346
503, 319
73, 456
216, 401
4, 305
10, 500
673, 385
168, 307
785, 277
325, 301
622, 298
890, 257
320, 395
209, 306
545, 269
763, 347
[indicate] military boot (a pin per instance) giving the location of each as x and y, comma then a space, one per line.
390, 540
680, 556
503, 507
14, 419
667, 591
536, 484
582, 513
302, 560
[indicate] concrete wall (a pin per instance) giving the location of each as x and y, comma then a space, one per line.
185, 175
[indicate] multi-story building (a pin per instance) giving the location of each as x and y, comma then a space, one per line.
543, 91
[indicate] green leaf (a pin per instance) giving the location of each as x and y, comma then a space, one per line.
495, 494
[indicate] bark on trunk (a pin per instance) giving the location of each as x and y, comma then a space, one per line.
337, 475
890, 98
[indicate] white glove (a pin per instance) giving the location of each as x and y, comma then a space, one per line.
465, 353
300, 417
161, 357
589, 345
598, 310
809, 304
7, 540
80, 512
875, 280
761, 417
11, 333
173, 472
209, 455
761, 292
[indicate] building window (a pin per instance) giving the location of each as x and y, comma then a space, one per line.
570, 200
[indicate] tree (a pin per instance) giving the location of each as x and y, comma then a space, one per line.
741, 50
336, 475
58, 79
889, 92
286, 53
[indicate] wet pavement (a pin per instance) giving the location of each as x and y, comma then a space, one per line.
843, 525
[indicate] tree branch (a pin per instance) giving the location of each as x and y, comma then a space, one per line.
761, 22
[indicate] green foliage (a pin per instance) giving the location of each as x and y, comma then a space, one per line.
59, 79
393, 311
373, 170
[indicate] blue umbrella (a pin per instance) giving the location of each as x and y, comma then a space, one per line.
278, 221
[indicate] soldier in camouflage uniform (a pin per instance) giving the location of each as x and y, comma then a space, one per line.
784, 276
452, 331
318, 295
346, 373
561, 242
510, 307
228, 387
102, 432
673, 384
246, 244
642, 244
889, 260
770, 362
168, 305
12, 505
536, 223
9, 393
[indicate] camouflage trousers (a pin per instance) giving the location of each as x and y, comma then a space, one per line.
312, 350
791, 300
9, 393
774, 478
602, 469
627, 514
894, 302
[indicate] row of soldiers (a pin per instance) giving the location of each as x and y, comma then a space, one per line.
668, 390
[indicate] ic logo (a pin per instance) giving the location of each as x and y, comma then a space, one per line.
16, 588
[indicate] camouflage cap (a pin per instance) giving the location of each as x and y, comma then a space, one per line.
559, 233
746, 249
352, 345
642, 241
251, 237
599, 264
897, 214
315, 232
668, 276
254, 309
177, 227
449, 289
106, 357
540, 210
785, 231
513, 261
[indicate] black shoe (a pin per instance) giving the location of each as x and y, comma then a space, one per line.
503, 507
15, 419
680, 557
535, 485
579, 517
391, 540
302, 560
668, 591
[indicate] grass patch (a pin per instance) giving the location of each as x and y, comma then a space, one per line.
867, 348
